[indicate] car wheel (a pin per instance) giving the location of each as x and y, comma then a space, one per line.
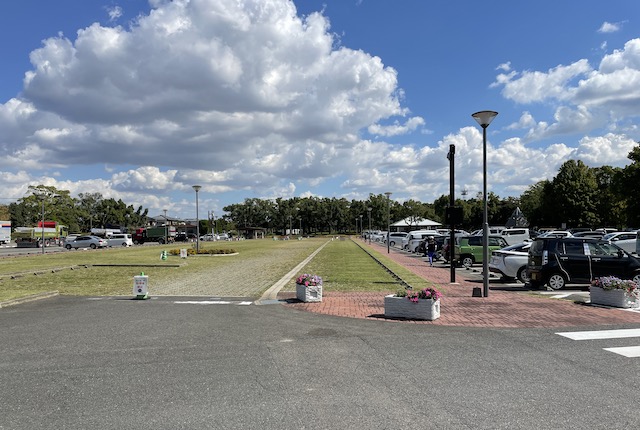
161, 241
92, 246
523, 275
124, 244
556, 281
467, 261
68, 247
392, 243
636, 278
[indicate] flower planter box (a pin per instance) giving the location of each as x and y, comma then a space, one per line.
312, 293
616, 298
401, 307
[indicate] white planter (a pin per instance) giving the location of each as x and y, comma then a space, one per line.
309, 294
616, 298
402, 307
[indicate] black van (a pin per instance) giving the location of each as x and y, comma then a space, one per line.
557, 261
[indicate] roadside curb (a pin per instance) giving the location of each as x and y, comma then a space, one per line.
31, 298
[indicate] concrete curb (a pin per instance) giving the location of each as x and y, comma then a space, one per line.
31, 298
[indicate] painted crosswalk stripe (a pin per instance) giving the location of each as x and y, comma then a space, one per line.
627, 351
602, 334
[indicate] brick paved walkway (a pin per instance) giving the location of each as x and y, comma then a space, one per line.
459, 308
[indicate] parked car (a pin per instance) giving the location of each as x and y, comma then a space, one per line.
416, 234
514, 236
395, 237
120, 239
92, 242
557, 261
469, 250
556, 233
626, 240
417, 238
440, 240
591, 234
511, 262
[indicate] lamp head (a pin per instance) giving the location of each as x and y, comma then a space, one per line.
197, 188
484, 117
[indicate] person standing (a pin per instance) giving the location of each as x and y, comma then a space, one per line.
431, 249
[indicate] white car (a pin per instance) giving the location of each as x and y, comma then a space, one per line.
626, 240
511, 262
120, 239
556, 233
396, 237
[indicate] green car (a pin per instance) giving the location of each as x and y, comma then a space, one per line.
468, 250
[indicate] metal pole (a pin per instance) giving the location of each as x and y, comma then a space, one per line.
485, 217
197, 188
42, 225
452, 234
369, 210
165, 226
388, 194
484, 118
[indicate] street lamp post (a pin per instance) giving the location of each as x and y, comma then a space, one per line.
300, 226
388, 194
196, 189
165, 226
361, 227
484, 118
42, 243
369, 211
290, 232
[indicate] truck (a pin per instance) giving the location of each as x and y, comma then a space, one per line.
52, 232
154, 234
5, 232
105, 233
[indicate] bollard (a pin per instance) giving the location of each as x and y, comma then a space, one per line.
140, 283
163, 255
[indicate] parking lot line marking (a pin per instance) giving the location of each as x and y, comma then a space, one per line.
211, 302
203, 302
627, 351
601, 334
560, 296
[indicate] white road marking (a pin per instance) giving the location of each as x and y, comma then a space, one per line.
602, 334
627, 351
560, 296
211, 302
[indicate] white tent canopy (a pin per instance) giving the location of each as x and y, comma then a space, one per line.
412, 223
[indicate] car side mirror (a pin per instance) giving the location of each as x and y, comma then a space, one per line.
620, 253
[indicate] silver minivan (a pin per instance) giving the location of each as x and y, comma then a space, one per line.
120, 239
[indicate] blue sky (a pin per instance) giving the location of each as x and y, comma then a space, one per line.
140, 100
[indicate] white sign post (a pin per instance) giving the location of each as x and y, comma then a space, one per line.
140, 283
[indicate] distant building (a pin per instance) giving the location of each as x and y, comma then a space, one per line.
411, 223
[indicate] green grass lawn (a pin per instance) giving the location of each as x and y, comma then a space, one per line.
342, 265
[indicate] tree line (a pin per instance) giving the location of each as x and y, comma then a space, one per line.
81, 214
578, 196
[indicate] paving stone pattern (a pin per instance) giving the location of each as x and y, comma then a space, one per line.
246, 277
